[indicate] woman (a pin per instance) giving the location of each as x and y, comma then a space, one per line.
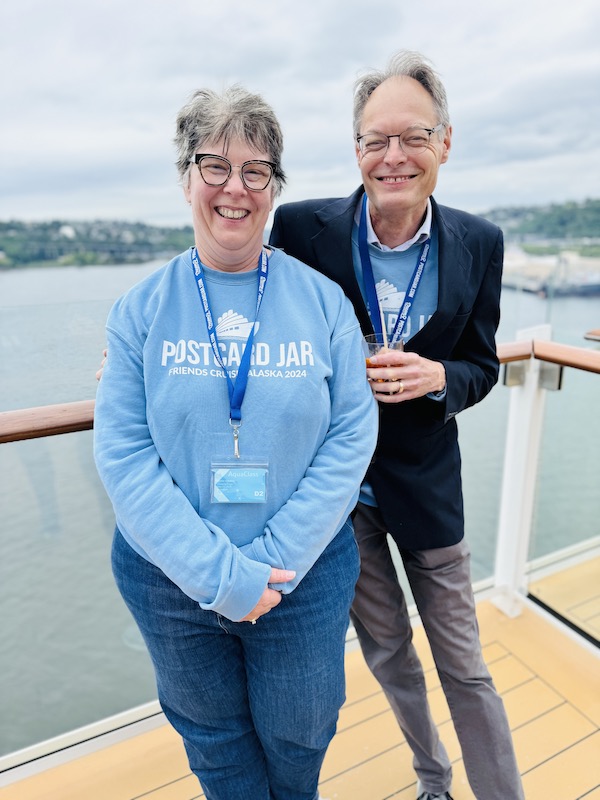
233, 426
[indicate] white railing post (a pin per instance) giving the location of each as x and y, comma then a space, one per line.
525, 417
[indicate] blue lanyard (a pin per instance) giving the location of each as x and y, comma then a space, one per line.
237, 390
369, 280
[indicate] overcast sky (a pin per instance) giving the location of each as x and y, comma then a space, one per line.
90, 90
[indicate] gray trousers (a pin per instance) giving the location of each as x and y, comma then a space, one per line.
440, 581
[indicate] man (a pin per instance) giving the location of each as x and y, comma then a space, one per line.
431, 276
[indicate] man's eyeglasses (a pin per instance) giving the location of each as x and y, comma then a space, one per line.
412, 141
216, 171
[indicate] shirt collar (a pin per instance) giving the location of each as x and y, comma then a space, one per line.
423, 233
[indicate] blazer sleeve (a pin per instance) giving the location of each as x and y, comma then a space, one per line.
290, 232
276, 235
473, 368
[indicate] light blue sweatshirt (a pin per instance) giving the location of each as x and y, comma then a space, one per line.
162, 421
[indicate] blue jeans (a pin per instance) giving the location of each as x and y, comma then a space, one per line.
256, 705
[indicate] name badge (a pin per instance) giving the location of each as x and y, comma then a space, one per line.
238, 483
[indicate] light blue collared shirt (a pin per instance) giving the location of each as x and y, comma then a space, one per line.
423, 233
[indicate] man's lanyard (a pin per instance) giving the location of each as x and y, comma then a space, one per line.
236, 390
369, 281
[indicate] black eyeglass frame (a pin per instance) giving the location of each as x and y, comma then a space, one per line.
197, 158
429, 131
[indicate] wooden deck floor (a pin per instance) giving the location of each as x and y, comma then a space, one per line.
550, 685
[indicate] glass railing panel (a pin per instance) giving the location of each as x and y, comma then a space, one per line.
70, 653
567, 505
520, 309
52, 330
482, 435
50, 353
564, 573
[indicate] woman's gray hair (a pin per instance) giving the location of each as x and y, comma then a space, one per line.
405, 63
209, 117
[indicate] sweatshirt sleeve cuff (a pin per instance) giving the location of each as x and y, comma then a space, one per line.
244, 591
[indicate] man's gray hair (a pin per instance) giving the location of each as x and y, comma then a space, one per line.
405, 63
209, 117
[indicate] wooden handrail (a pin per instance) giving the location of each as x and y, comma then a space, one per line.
32, 423
567, 356
514, 351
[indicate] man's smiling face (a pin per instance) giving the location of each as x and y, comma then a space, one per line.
398, 184
229, 220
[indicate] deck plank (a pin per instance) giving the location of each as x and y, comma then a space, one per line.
541, 739
570, 775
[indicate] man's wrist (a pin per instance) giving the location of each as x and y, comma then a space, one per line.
442, 379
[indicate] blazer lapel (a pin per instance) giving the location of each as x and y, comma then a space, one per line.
454, 267
333, 248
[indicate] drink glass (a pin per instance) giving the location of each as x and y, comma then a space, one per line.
373, 344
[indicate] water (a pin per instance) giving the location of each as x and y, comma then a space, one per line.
69, 651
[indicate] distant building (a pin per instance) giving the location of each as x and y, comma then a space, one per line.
67, 231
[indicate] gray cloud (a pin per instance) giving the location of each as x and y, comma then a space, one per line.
90, 92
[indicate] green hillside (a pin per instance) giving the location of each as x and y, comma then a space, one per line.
570, 223
539, 229
81, 243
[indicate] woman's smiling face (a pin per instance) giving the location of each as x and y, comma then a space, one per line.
229, 220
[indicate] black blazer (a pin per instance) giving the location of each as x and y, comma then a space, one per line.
415, 473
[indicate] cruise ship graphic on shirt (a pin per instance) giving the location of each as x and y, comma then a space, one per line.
232, 325
390, 299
